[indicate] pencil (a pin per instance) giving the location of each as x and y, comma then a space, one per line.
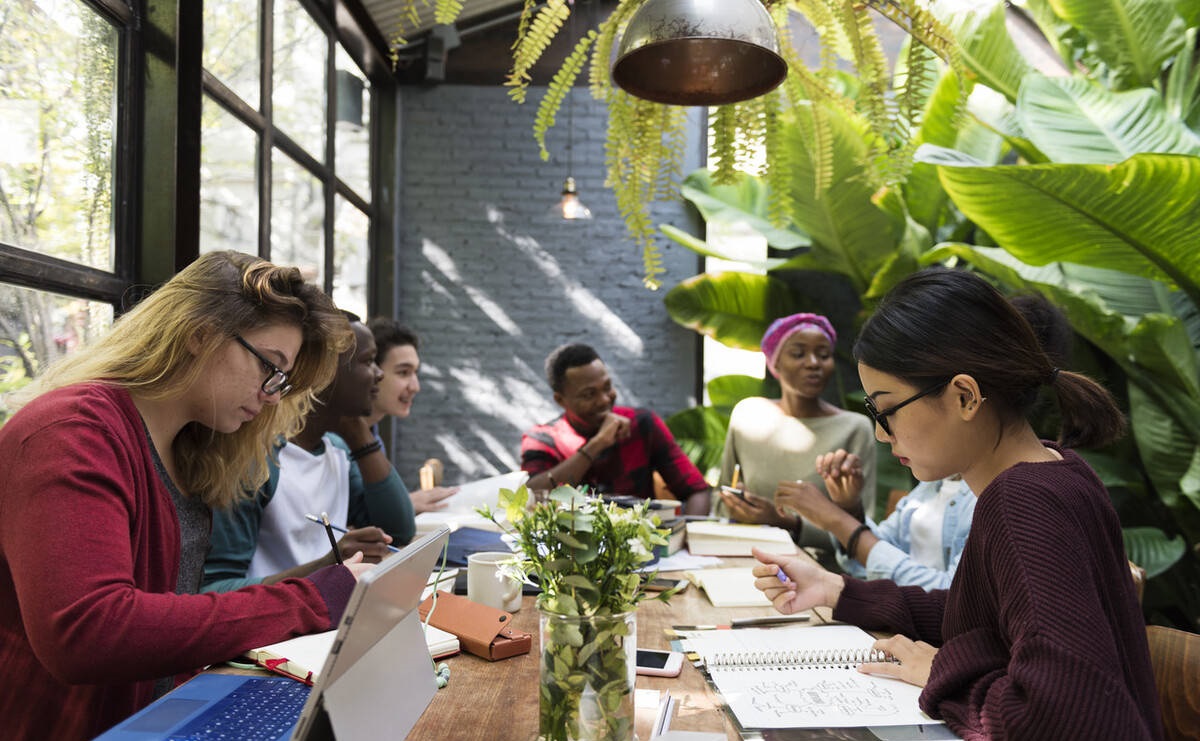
342, 530
337, 554
737, 474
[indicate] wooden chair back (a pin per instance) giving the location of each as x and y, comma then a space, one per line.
1175, 655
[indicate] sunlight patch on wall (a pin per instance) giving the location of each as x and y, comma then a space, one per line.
441, 260
616, 330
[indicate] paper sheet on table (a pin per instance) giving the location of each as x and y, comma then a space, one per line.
460, 509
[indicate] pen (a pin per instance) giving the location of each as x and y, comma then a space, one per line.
737, 474
330, 527
337, 555
781, 576
766, 620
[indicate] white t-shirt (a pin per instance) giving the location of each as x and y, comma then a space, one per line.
925, 528
308, 484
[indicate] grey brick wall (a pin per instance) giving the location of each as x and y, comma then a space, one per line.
491, 283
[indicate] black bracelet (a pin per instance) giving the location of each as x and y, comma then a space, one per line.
852, 543
586, 455
366, 450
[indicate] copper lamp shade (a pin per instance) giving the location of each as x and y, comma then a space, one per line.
699, 52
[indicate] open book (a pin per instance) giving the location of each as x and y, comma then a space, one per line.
729, 587
804, 677
303, 657
707, 538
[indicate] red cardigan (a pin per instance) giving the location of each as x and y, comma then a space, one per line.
1041, 636
89, 556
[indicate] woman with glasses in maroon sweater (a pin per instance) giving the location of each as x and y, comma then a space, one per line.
1040, 635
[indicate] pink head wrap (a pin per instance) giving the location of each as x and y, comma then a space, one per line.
785, 327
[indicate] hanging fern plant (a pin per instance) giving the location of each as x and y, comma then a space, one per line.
645, 142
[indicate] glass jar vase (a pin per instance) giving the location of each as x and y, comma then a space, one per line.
588, 668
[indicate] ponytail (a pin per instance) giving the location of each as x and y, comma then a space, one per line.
1090, 416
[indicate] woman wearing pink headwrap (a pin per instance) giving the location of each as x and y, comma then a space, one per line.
775, 442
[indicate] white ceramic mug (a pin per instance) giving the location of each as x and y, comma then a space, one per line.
487, 586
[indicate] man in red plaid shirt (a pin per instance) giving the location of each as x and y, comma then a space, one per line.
610, 449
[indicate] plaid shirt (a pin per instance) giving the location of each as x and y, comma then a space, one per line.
625, 468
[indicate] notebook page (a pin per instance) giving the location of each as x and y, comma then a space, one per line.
767, 685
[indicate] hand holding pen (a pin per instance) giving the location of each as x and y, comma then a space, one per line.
373, 542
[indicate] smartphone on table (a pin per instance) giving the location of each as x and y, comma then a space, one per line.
659, 663
662, 585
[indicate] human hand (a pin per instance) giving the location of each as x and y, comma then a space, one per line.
372, 542
807, 585
809, 501
915, 660
430, 500
357, 566
750, 508
355, 431
842, 473
612, 430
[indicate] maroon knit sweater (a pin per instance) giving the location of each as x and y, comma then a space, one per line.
89, 556
1040, 635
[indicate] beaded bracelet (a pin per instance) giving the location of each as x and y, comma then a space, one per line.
852, 543
366, 450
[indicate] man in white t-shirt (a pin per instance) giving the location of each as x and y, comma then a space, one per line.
336, 466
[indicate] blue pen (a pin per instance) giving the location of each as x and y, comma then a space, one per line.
782, 577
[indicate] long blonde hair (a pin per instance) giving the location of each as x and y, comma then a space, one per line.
220, 295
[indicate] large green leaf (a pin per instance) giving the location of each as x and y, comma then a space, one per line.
729, 251
986, 47
1075, 120
1150, 548
743, 202
732, 308
1140, 216
1168, 451
700, 432
1134, 37
726, 391
850, 234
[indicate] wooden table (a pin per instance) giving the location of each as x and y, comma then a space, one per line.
498, 701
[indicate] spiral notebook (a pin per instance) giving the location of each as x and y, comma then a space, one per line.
804, 677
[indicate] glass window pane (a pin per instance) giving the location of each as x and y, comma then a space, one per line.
228, 182
298, 97
37, 328
297, 218
58, 115
231, 46
351, 250
352, 131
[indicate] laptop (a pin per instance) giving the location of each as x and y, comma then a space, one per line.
376, 681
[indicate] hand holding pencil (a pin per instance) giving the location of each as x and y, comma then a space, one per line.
373, 542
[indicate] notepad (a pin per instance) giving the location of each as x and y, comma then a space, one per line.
804, 677
707, 538
729, 587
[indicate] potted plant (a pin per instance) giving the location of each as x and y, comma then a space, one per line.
585, 555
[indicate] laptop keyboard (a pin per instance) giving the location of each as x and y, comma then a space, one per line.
259, 709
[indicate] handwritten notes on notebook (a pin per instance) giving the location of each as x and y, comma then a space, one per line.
804, 677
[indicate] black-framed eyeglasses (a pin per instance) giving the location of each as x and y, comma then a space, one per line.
277, 380
881, 417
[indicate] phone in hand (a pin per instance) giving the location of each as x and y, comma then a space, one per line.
739, 493
659, 663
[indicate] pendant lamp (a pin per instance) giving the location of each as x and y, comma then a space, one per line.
569, 206
699, 52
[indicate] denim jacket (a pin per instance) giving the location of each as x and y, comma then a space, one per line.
890, 559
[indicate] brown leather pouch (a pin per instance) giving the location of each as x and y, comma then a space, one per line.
482, 630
